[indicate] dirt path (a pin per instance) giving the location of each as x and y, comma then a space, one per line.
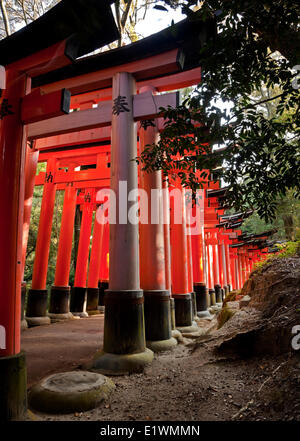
179, 385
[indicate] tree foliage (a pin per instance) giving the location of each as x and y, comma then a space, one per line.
256, 45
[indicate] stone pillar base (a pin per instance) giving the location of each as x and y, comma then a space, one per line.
36, 312
121, 364
218, 293
103, 286
212, 296
172, 306
55, 318
13, 388
59, 308
157, 313
24, 325
177, 334
183, 310
204, 315
201, 296
92, 301
188, 329
124, 346
78, 302
194, 307
162, 345
38, 321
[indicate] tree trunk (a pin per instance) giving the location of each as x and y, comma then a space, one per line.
5, 17
289, 226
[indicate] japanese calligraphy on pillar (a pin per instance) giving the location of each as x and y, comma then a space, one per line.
120, 105
5, 107
147, 123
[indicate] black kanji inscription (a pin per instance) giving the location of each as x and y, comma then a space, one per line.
87, 197
120, 105
5, 109
49, 177
147, 123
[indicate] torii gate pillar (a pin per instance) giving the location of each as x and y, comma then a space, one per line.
124, 348
179, 258
36, 312
13, 379
152, 251
59, 308
94, 269
78, 293
30, 172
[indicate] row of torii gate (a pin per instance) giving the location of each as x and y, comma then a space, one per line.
147, 270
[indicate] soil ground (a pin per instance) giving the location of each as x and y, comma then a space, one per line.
191, 383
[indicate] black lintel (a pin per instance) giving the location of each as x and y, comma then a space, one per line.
85, 24
188, 36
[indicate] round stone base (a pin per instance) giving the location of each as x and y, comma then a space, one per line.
60, 317
121, 364
24, 325
204, 315
68, 392
38, 321
82, 314
176, 334
101, 309
162, 345
188, 329
95, 312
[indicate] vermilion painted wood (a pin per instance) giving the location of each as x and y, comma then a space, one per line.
64, 252
124, 246
43, 61
30, 173
12, 165
38, 107
161, 84
95, 260
179, 257
75, 138
165, 64
84, 243
190, 263
40, 267
62, 177
152, 248
104, 265
145, 106
167, 243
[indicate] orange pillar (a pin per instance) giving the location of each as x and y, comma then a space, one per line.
60, 293
199, 270
228, 267
12, 164
94, 268
78, 294
36, 313
179, 253
30, 173
104, 266
157, 308
216, 268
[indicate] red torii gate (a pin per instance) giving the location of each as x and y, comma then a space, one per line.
30, 52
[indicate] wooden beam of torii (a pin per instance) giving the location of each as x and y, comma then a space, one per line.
145, 106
